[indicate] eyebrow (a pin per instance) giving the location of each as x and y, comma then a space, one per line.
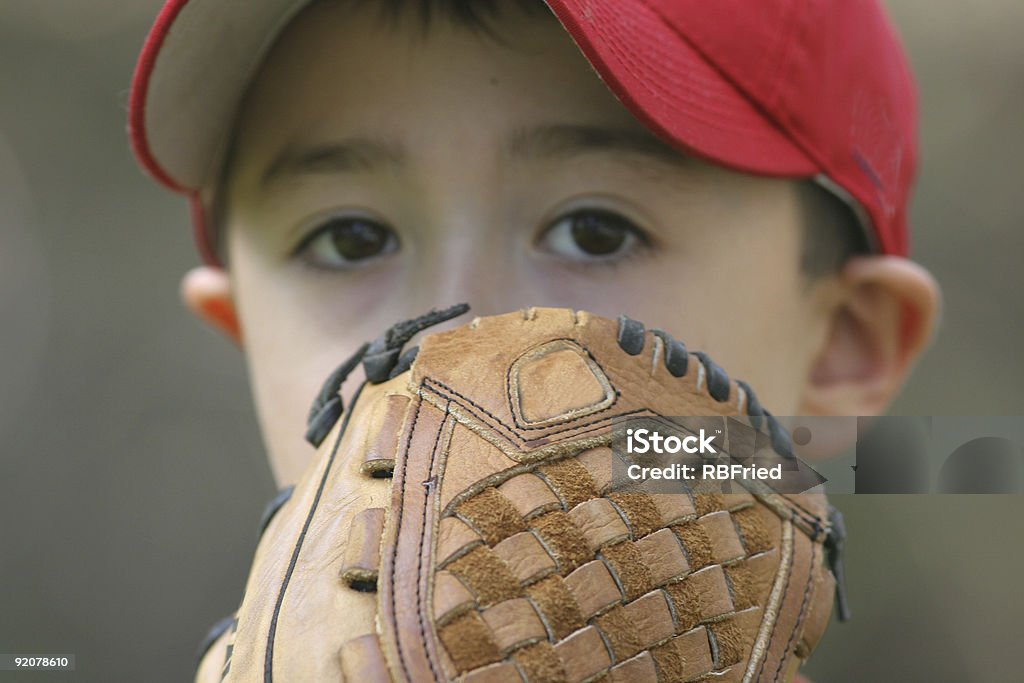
558, 141
357, 154
566, 141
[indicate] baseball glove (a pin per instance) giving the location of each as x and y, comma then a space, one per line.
461, 521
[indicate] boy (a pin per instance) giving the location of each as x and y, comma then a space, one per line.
734, 172
466, 151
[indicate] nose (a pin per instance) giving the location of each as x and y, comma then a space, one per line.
483, 270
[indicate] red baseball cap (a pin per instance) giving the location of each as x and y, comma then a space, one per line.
792, 88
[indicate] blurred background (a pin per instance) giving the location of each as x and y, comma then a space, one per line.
131, 471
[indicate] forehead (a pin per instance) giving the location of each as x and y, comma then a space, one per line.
342, 68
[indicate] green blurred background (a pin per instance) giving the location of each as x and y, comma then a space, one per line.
131, 472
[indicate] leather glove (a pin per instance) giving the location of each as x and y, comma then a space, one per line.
461, 521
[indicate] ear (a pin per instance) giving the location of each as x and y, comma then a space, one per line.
206, 292
885, 313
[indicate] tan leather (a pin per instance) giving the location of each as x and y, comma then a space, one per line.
501, 548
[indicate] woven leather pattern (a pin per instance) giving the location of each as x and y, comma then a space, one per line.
554, 574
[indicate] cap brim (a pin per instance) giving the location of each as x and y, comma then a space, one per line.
674, 91
194, 68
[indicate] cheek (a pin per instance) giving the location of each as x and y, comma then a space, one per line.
285, 371
295, 335
751, 321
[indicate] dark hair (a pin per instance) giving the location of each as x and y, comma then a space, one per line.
832, 232
474, 14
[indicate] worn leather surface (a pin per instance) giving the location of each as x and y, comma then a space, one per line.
502, 549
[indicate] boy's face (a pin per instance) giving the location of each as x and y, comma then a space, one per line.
381, 170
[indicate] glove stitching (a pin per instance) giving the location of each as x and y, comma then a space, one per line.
508, 385
782, 603
398, 525
803, 612
423, 536
511, 433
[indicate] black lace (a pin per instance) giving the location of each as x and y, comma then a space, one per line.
631, 339
835, 542
382, 359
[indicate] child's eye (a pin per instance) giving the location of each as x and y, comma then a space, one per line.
342, 242
592, 235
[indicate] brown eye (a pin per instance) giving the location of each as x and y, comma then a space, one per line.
344, 242
599, 234
592, 235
